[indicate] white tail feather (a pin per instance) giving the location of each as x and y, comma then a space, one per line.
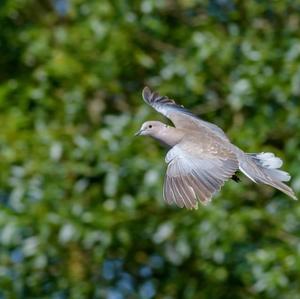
269, 160
272, 163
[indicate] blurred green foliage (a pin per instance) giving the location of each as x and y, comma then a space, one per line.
82, 214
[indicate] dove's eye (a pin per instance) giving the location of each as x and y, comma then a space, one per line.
150, 126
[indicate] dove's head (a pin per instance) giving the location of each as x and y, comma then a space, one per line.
151, 128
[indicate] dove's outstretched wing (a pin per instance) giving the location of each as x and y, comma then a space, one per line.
180, 117
195, 174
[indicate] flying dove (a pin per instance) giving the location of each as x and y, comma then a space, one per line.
201, 157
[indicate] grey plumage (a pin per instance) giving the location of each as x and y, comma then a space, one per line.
202, 158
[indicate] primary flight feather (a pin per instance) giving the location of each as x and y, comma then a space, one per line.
201, 157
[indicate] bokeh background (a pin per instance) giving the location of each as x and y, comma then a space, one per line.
81, 208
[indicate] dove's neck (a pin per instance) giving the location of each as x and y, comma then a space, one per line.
169, 136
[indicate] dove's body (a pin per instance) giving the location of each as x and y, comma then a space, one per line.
202, 157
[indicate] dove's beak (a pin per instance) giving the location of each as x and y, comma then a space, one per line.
138, 133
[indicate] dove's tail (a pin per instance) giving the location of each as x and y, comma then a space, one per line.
264, 168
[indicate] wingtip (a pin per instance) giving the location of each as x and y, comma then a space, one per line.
294, 197
146, 93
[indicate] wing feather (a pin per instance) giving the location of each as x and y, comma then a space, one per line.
181, 117
193, 178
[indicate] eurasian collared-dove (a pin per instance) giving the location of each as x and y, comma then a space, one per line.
202, 157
